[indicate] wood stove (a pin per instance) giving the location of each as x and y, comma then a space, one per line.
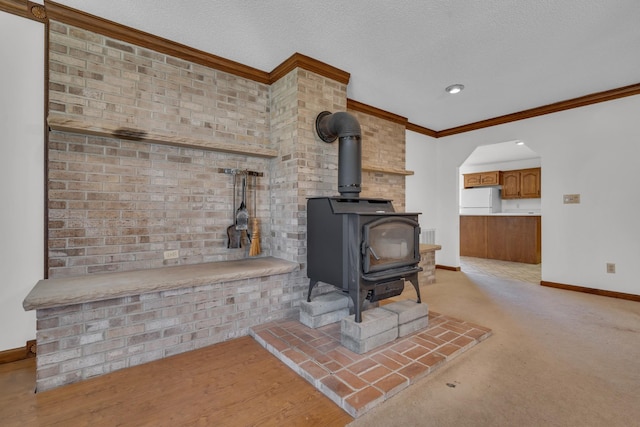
359, 245
363, 247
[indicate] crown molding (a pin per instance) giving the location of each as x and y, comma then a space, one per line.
594, 98
376, 112
423, 130
298, 60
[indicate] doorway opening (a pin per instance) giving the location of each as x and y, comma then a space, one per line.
500, 199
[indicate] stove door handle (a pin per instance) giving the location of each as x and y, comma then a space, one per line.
373, 253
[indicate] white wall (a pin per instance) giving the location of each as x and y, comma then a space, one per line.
21, 174
593, 151
421, 159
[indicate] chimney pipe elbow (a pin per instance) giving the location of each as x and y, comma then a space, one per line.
330, 126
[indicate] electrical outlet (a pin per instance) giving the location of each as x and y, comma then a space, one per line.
171, 254
571, 198
611, 267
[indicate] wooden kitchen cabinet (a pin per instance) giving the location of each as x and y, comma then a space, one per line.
507, 238
480, 179
473, 236
521, 184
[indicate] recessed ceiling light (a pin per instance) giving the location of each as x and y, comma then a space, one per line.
519, 143
456, 88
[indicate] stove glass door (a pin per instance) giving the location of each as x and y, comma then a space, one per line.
390, 242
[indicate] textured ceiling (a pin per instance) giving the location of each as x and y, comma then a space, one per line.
511, 55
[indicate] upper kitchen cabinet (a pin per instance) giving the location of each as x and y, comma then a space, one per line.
521, 184
480, 179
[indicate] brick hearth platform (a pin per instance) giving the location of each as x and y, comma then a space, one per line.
359, 382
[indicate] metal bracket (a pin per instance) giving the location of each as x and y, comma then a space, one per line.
245, 172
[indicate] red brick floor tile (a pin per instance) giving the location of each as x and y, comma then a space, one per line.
278, 331
275, 342
392, 384
314, 369
310, 351
432, 360
397, 357
431, 338
333, 383
403, 346
333, 366
436, 332
476, 333
321, 341
364, 399
448, 350
375, 374
293, 340
385, 361
361, 366
423, 342
459, 328
416, 352
352, 380
350, 354
339, 357
296, 356
332, 345
414, 371
449, 336
322, 359
462, 341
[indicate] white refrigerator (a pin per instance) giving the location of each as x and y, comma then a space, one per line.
481, 200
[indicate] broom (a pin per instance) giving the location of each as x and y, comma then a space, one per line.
255, 238
255, 231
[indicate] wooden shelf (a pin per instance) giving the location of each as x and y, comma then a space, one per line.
112, 130
391, 171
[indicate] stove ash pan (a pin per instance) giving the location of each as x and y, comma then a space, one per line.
363, 247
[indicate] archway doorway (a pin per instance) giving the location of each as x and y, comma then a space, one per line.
500, 211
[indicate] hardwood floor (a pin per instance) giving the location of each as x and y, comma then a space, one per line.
236, 383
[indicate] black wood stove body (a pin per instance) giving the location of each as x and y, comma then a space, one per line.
363, 247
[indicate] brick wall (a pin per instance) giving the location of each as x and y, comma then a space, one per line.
117, 205
80, 341
383, 146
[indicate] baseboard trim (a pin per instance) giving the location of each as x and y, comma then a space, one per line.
20, 353
447, 267
601, 292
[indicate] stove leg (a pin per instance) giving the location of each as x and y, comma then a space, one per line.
312, 283
414, 282
358, 302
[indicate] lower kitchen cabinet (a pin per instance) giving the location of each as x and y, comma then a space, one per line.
507, 238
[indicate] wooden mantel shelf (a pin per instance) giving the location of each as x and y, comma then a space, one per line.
113, 130
391, 171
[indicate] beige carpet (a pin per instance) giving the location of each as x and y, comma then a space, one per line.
556, 358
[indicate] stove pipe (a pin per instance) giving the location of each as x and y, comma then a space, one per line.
344, 126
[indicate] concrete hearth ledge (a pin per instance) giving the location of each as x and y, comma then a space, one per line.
57, 292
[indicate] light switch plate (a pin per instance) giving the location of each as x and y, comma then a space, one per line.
571, 198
